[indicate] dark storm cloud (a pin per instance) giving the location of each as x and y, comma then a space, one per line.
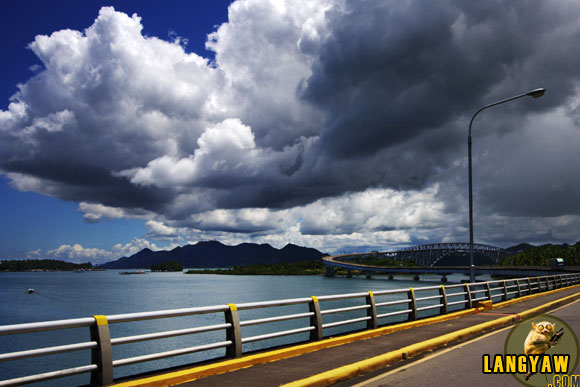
390, 72
85, 182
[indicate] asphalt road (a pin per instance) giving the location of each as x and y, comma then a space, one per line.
461, 365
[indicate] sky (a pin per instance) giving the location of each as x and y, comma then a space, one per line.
334, 124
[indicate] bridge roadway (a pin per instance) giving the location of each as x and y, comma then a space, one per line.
434, 370
338, 360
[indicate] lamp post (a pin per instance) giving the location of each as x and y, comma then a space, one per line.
533, 93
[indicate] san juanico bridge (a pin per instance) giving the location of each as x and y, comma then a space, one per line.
147, 138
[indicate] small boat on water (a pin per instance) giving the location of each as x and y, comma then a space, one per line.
30, 291
132, 272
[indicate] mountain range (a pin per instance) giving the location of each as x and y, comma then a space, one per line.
213, 254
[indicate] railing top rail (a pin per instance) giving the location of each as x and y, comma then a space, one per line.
342, 296
267, 304
391, 291
427, 288
126, 317
46, 326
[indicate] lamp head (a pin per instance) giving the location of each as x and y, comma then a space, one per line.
537, 93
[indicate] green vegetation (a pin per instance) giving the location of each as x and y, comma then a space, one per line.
43, 265
167, 266
375, 259
286, 268
540, 256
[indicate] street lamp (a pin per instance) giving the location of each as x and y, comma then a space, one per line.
537, 93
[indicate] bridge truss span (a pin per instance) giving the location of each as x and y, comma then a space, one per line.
455, 246
430, 254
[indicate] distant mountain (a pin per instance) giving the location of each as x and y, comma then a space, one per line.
519, 248
216, 254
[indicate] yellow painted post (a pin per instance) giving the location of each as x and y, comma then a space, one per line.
488, 291
234, 332
468, 297
373, 323
529, 286
444, 309
412, 305
315, 320
504, 296
102, 356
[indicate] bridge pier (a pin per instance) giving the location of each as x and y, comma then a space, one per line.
444, 278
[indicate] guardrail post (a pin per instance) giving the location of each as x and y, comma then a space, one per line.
504, 293
412, 305
529, 286
443, 294
539, 287
373, 323
488, 291
519, 288
102, 356
233, 333
468, 297
315, 320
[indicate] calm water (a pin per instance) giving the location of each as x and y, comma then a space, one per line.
65, 295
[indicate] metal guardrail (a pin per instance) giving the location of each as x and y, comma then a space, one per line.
377, 308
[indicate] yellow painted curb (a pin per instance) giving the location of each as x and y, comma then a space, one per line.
342, 373
183, 376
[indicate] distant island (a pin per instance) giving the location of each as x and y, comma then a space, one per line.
213, 254
167, 266
286, 268
43, 265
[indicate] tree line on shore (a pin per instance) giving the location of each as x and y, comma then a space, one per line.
285, 268
541, 255
43, 265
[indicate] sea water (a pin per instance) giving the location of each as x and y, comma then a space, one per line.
66, 295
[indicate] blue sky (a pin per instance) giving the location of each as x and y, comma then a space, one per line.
333, 124
29, 220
